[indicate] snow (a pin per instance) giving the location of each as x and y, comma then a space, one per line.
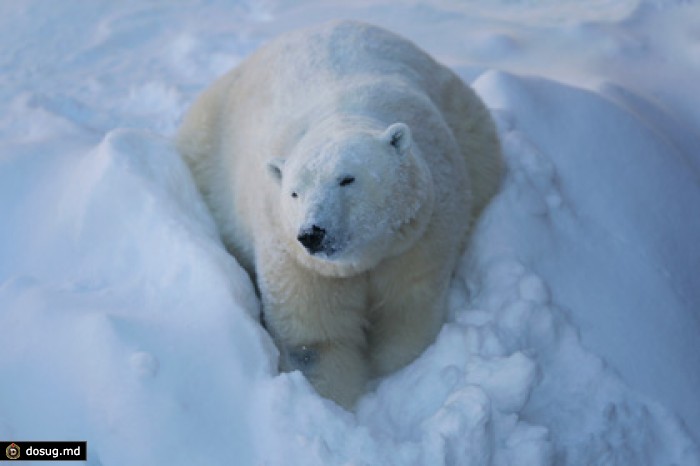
574, 316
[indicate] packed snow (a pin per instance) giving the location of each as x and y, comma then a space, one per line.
574, 316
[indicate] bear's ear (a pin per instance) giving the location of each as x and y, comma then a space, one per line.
274, 167
399, 136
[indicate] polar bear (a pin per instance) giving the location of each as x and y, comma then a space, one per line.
344, 167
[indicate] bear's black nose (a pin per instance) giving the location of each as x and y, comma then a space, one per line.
311, 238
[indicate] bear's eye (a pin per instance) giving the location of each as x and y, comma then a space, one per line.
346, 180
295, 195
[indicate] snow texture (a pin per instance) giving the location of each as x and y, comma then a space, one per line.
574, 316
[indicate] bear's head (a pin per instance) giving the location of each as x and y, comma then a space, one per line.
352, 197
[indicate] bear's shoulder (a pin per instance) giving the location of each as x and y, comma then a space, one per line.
346, 48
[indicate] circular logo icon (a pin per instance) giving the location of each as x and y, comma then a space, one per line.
12, 451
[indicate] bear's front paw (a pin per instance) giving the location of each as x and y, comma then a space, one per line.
303, 358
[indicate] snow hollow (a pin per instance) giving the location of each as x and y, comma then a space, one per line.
574, 327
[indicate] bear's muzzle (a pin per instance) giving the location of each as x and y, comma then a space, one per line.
312, 239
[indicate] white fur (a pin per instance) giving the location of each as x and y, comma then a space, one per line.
269, 145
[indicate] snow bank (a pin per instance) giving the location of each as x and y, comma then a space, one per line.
573, 325
120, 308
615, 237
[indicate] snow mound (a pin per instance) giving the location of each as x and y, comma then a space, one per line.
121, 308
611, 227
